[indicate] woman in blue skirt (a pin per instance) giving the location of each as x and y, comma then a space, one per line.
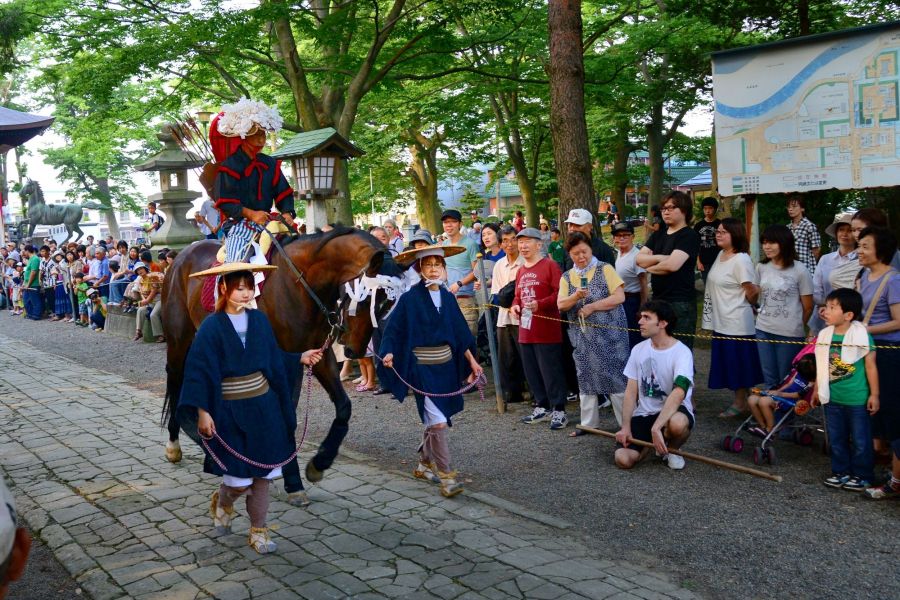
731, 287
62, 306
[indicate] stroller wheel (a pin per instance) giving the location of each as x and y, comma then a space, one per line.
737, 445
758, 456
726, 443
770, 456
805, 437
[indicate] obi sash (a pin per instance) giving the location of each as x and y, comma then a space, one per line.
246, 386
433, 355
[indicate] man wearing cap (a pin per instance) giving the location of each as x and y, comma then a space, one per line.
461, 267
581, 220
98, 272
540, 336
15, 542
637, 290
706, 229
248, 182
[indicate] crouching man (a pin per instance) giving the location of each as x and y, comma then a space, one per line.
658, 407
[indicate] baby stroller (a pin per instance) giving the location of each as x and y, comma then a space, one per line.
787, 423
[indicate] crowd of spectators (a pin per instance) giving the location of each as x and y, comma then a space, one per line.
77, 283
581, 321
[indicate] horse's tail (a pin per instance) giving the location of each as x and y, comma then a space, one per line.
173, 390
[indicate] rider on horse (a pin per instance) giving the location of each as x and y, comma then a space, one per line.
248, 182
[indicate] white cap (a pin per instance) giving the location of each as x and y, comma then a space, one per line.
579, 216
7, 521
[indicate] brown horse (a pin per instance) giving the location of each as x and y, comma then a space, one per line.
327, 261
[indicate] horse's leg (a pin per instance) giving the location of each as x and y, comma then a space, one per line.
77, 229
327, 374
176, 353
293, 483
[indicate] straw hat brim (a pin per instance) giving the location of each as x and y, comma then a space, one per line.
233, 267
409, 256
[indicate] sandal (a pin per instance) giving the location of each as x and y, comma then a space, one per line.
364, 388
733, 412
578, 433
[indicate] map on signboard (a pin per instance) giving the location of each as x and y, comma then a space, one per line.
809, 116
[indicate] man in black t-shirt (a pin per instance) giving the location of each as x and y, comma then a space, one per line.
670, 256
706, 229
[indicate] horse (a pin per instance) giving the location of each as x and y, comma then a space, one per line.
39, 213
301, 320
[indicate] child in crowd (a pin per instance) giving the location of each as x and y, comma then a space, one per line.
797, 385
18, 298
97, 309
847, 386
9, 274
81, 289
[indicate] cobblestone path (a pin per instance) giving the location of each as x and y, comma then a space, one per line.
83, 452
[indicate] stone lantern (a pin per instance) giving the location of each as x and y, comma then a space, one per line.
315, 156
174, 199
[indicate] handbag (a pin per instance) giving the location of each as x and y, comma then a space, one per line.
506, 295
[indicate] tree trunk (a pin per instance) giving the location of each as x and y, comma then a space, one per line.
108, 209
424, 174
803, 16
656, 146
568, 126
620, 168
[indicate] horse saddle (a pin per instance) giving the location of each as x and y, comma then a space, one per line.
265, 241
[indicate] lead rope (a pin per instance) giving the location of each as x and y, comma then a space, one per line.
480, 382
308, 381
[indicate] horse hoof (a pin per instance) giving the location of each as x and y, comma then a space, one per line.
298, 499
313, 475
173, 451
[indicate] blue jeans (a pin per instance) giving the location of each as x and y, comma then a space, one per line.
775, 359
117, 289
849, 426
98, 319
34, 303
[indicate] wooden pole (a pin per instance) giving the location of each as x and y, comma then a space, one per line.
710, 461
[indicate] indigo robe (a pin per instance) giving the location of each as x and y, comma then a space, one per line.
415, 322
260, 428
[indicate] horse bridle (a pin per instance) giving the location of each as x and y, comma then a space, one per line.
335, 322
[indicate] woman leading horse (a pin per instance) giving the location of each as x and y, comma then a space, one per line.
300, 317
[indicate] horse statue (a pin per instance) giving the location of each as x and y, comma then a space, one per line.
39, 213
302, 317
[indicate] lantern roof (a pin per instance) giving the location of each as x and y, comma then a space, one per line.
318, 141
171, 157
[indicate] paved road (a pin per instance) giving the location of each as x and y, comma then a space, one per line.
81, 449
718, 533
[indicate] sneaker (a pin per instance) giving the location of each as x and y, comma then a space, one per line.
572, 398
856, 484
605, 403
883, 492
837, 481
674, 462
558, 420
538, 414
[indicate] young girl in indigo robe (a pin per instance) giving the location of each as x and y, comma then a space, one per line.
236, 388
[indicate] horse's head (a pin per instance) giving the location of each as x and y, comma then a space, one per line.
330, 260
364, 305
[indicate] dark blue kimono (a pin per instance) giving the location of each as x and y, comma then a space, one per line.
261, 428
256, 184
415, 322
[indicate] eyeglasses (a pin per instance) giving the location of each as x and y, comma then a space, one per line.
667, 208
721, 232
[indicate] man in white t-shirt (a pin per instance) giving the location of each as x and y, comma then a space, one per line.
658, 406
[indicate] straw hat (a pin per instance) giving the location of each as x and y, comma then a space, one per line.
233, 267
410, 256
844, 219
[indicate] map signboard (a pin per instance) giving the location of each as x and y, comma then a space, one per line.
810, 114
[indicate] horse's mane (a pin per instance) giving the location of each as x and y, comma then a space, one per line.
326, 236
